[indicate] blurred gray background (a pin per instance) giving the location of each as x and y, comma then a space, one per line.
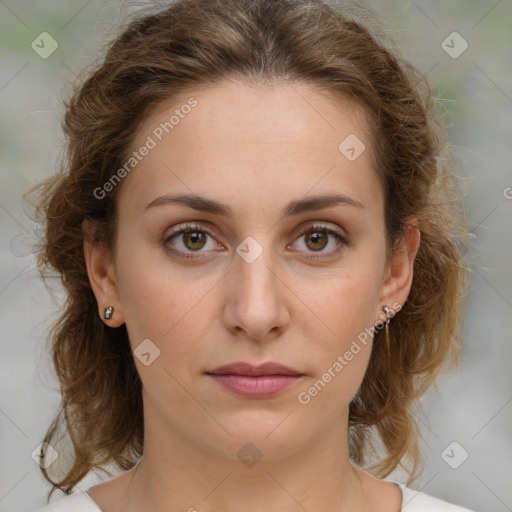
470, 415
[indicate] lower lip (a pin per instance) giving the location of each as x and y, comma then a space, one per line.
260, 386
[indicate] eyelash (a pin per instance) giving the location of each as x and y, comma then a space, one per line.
187, 228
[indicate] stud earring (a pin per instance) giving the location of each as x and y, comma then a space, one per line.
108, 313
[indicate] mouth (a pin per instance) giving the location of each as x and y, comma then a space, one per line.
263, 381
248, 369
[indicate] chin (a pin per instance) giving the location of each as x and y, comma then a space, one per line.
256, 434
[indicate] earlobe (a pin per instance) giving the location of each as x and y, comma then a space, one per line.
400, 271
102, 277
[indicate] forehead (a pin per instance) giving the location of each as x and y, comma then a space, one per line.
247, 138
239, 110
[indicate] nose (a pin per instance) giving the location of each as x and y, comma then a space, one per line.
256, 298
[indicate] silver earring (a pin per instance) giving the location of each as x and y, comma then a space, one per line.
385, 323
387, 312
108, 313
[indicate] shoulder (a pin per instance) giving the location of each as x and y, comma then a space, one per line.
414, 501
78, 501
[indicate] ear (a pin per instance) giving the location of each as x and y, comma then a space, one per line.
399, 271
101, 272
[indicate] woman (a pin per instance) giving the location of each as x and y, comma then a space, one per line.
261, 241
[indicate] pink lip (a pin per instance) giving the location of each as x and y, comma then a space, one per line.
261, 381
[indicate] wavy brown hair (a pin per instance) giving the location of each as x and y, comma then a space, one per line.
189, 44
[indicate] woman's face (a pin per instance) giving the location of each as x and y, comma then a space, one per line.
268, 272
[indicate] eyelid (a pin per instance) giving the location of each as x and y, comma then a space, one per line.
321, 226
343, 239
304, 228
184, 228
189, 226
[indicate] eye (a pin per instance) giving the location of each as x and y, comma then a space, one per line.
193, 238
190, 238
316, 239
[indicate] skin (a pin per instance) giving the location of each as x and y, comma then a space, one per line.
254, 148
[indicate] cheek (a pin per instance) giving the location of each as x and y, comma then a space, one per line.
332, 390
148, 300
159, 304
344, 303
344, 308
341, 357
148, 311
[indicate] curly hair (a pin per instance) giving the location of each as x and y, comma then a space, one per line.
190, 43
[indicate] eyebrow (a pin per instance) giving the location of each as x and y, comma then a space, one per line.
203, 204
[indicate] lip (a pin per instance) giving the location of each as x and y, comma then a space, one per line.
242, 368
263, 381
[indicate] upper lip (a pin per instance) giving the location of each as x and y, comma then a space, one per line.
241, 368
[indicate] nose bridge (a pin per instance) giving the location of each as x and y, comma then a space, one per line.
253, 270
255, 303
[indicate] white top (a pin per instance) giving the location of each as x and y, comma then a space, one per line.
413, 501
